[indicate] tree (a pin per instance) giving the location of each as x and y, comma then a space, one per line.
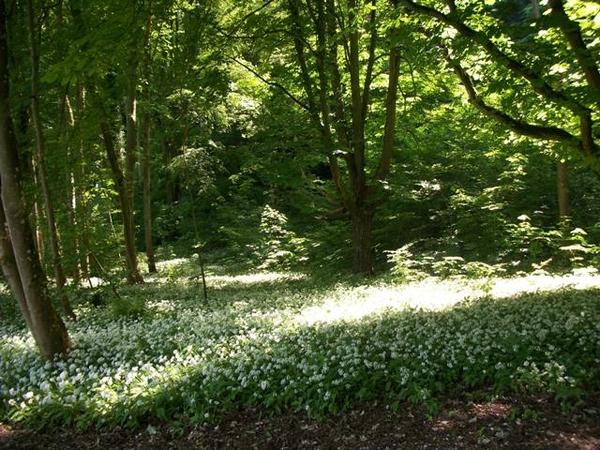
41, 162
104, 87
146, 144
335, 70
126, 185
540, 81
18, 255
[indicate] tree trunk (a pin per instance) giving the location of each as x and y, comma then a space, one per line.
84, 258
130, 159
340, 107
45, 324
53, 239
37, 216
172, 191
146, 155
11, 271
564, 207
362, 227
148, 198
133, 274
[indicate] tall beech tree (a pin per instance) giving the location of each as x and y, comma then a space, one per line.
146, 143
18, 255
126, 190
40, 145
349, 39
104, 87
541, 80
343, 68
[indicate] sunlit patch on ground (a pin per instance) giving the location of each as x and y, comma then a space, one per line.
254, 278
435, 294
163, 265
534, 283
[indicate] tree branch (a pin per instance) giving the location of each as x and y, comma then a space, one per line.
390, 114
272, 83
372, 58
538, 84
572, 33
588, 149
299, 45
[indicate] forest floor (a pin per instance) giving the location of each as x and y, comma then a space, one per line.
531, 424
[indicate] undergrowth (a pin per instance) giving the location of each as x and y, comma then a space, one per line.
280, 341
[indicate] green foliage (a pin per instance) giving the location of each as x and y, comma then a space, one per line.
286, 343
279, 248
528, 248
9, 310
127, 307
407, 267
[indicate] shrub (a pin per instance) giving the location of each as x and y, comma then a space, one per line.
132, 307
279, 248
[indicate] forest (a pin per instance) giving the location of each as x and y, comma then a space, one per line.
296, 205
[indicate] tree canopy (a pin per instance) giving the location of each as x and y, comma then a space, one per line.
343, 135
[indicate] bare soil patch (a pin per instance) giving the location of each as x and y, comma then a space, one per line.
532, 424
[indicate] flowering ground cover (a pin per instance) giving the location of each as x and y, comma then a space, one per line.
287, 345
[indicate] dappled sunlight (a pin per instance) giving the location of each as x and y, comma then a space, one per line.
433, 294
16, 341
182, 269
507, 287
162, 305
254, 278
170, 263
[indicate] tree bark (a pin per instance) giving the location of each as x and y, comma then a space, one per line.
148, 197
67, 126
362, 228
84, 257
133, 275
11, 271
341, 116
146, 182
564, 209
45, 324
53, 238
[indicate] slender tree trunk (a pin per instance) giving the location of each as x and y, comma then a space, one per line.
564, 207
172, 191
71, 204
134, 275
46, 325
37, 216
362, 227
66, 133
11, 271
147, 193
148, 199
53, 239
84, 258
